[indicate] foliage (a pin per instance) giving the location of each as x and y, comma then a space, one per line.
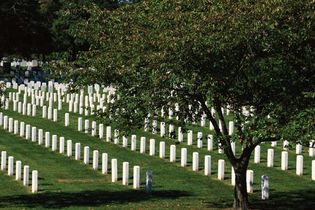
236, 54
255, 57
23, 29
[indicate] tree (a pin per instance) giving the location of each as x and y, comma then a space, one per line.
66, 16
23, 30
242, 55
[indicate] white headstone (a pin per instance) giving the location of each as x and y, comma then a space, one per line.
33, 110
18, 170
180, 134
95, 159
172, 153
162, 149
108, 133
40, 136
86, 126
274, 143
34, 134
299, 165
86, 155
257, 154
10, 124
270, 157
125, 176
69, 148
136, 177
114, 170
61, 145
34, 181
210, 142
152, 147
183, 157
101, 131
104, 163
298, 149
26, 171
66, 119
190, 137
221, 169
142, 144
44, 112
207, 165
94, 128
29, 109
22, 129
285, 144
133, 142
195, 161
125, 141
47, 139
50, 113
199, 140
10, 165
250, 181
28, 131
284, 160
77, 151
54, 143
80, 124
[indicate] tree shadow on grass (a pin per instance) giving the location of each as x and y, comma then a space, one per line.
295, 200
292, 200
85, 198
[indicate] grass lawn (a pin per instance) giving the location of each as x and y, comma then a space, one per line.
65, 183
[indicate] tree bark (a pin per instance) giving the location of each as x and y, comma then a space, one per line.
240, 190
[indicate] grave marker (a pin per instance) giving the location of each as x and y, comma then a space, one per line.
136, 177
114, 170
195, 161
125, 176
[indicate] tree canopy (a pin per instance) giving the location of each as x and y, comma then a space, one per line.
227, 53
254, 57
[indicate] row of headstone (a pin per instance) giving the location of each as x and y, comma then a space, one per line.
133, 147
188, 142
29, 132
190, 138
72, 101
7, 162
284, 159
199, 143
90, 91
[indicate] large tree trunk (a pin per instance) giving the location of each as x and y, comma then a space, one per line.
240, 191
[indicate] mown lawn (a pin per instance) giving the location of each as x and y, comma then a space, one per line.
69, 184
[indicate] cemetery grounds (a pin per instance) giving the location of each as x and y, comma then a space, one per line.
66, 183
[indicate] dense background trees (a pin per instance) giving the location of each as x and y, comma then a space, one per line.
23, 30
40, 27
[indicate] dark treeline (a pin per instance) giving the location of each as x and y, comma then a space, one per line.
36, 27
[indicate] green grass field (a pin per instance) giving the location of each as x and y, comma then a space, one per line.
65, 183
